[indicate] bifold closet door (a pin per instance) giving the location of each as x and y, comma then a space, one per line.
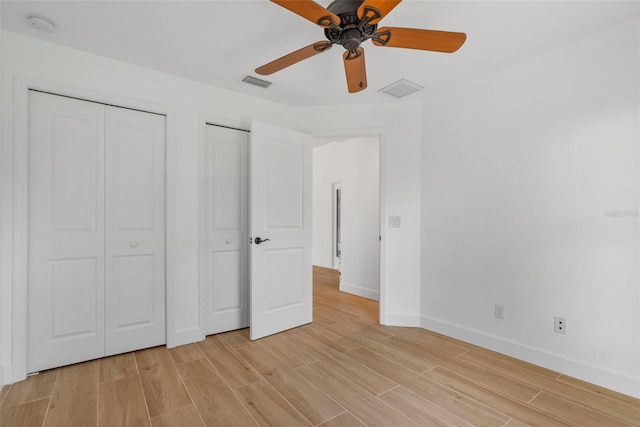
66, 231
134, 255
96, 231
225, 230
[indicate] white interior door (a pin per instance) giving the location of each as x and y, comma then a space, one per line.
135, 260
66, 231
280, 199
226, 237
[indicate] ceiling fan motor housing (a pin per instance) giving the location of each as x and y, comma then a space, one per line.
349, 33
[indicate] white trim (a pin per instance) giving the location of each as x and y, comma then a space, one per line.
17, 180
638, 220
335, 258
360, 291
590, 372
3, 316
187, 336
171, 149
407, 320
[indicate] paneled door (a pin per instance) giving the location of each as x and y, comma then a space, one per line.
66, 231
225, 230
134, 245
96, 231
280, 220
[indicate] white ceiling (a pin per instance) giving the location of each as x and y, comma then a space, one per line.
219, 42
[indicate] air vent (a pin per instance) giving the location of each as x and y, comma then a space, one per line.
401, 88
256, 82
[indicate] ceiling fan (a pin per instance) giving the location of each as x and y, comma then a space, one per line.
351, 22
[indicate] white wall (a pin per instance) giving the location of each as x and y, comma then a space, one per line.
327, 165
353, 163
399, 128
29, 62
4, 353
530, 200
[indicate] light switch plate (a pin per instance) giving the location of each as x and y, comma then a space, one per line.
394, 222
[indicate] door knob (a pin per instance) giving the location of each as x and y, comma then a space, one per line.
258, 240
133, 244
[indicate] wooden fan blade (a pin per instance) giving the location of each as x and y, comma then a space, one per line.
355, 69
412, 38
310, 10
294, 58
376, 9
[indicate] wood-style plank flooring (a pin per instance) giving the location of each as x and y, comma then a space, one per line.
342, 370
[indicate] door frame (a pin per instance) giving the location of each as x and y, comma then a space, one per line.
336, 225
15, 202
343, 134
245, 125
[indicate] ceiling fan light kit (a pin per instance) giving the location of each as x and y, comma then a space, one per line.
349, 23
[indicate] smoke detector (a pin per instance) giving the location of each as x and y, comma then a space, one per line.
41, 23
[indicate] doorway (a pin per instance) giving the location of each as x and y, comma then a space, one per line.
346, 208
256, 264
361, 182
336, 213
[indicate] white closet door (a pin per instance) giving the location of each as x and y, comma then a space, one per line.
135, 260
66, 231
226, 248
96, 231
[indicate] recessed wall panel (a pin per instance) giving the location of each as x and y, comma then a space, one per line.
226, 281
133, 285
133, 175
284, 185
74, 287
284, 278
74, 168
228, 185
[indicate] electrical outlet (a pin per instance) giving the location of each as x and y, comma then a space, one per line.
560, 325
499, 311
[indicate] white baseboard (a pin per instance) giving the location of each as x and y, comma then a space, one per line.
360, 291
185, 336
597, 374
7, 376
402, 319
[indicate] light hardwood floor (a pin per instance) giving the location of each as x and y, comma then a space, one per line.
342, 370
